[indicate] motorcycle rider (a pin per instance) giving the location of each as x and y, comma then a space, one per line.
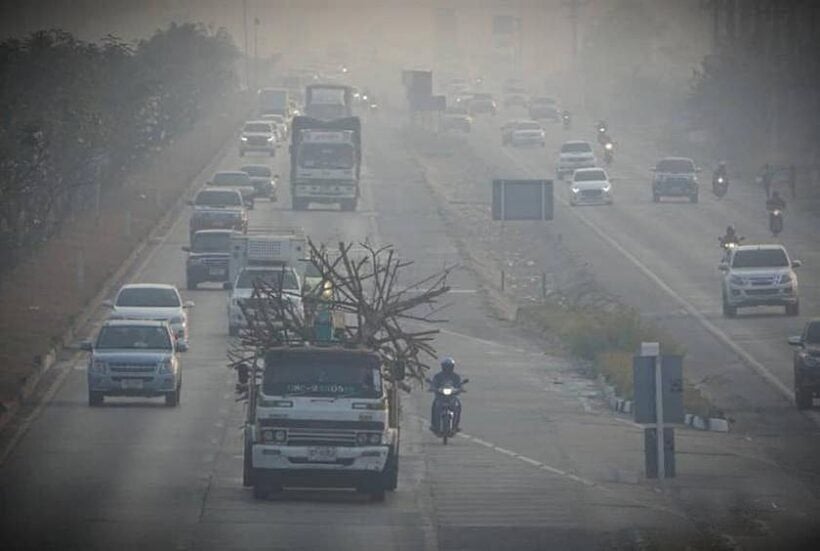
720, 172
775, 202
566, 117
446, 375
730, 236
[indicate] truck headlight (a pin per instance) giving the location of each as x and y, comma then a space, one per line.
786, 278
270, 138
98, 366
243, 138
575, 189
280, 435
375, 438
361, 438
267, 436
164, 367
736, 280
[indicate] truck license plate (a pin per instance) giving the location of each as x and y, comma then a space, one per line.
323, 454
131, 384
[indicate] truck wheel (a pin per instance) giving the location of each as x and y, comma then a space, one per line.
391, 472
261, 488
793, 309
802, 398
95, 398
348, 205
729, 311
247, 466
172, 398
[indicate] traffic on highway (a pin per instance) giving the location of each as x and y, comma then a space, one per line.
287, 316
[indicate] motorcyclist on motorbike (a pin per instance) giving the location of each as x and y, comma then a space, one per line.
566, 117
775, 202
446, 375
731, 236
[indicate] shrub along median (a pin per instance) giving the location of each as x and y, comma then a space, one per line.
606, 339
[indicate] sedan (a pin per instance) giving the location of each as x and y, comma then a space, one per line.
590, 186
152, 301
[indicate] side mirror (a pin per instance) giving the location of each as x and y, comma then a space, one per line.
464, 381
796, 263
88, 346
227, 285
796, 341
723, 266
108, 303
188, 304
181, 346
186, 248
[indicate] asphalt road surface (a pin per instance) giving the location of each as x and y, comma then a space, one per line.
541, 463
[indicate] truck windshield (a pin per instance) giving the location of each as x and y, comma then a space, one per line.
133, 336
333, 377
211, 242
334, 155
271, 278
760, 258
216, 198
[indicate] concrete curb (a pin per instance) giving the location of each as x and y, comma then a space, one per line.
114, 281
622, 405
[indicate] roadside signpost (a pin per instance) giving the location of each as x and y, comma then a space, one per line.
522, 200
658, 390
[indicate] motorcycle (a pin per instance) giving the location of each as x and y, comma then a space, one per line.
567, 120
602, 133
775, 221
609, 152
720, 186
728, 245
448, 399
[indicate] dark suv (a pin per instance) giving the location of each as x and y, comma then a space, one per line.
675, 177
208, 257
218, 208
806, 364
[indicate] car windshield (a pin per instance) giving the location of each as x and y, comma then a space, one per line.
257, 171
813, 333
231, 179
211, 242
760, 258
262, 127
529, 126
675, 166
218, 198
333, 377
134, 336
148, 297
334, 155
270, 278
576, 147
590, 175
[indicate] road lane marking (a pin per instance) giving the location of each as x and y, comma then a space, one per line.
716, 332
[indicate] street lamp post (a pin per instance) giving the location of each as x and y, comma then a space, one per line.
255, 52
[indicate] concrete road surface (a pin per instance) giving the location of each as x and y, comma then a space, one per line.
541, 463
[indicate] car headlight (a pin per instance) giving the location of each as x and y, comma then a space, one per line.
575, 189
736, 280
164, 367
243, 138
270, 138
98, 366
786, 278
607, 188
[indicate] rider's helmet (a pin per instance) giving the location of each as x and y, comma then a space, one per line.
730, 230
448, 365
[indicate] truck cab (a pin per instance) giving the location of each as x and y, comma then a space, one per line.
322, 416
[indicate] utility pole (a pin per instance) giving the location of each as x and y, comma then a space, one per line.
245, 33
255, 53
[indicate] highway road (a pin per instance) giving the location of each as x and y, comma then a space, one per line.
542, 464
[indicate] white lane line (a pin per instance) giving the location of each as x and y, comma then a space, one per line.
758, 367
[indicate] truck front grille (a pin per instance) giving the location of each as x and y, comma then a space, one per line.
321, 437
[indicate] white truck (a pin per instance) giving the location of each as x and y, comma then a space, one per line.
276, 258
322, 416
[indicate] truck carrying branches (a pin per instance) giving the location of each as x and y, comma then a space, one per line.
323, 406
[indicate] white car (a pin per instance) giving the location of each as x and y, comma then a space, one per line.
281, 126
590, 186
520, 133
258, 136
759, 275
152, 301
243, 288
574, 155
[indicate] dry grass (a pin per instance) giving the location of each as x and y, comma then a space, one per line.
40, 298
607, 339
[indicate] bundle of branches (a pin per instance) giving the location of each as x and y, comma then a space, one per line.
361, 295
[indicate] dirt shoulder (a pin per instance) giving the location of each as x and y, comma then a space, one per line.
43, 297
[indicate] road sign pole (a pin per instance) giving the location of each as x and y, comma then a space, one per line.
659, 440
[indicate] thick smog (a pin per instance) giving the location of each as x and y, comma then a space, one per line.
417, 275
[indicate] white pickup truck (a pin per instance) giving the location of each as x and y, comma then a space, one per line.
759, 275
